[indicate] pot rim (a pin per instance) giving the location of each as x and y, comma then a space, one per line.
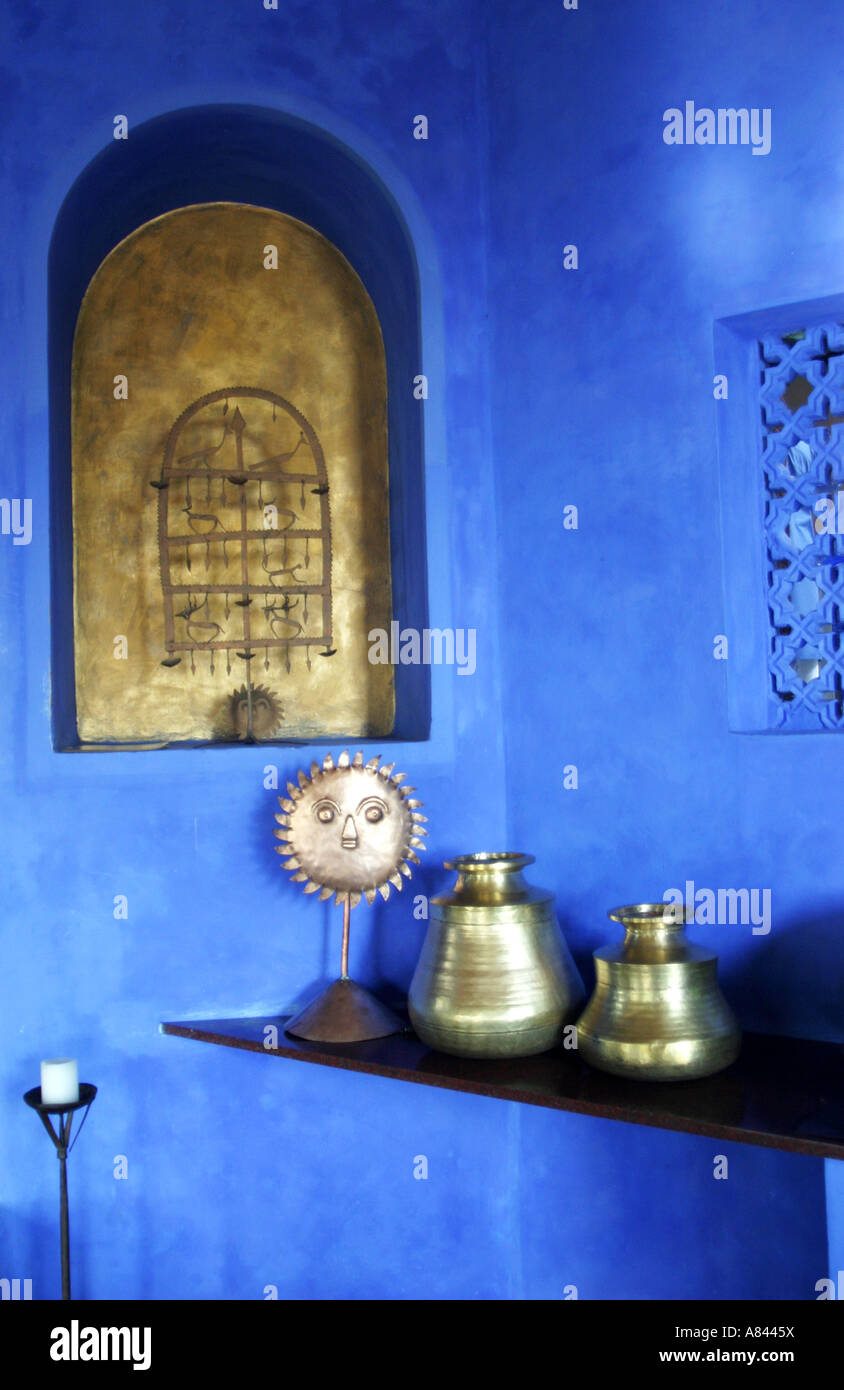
484, 860
650, 914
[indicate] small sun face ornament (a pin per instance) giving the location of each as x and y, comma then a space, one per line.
348, 832
254, 713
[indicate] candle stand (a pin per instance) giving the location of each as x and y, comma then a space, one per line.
65, 1111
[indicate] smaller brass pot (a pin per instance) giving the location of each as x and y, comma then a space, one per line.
495, 977
657, 1013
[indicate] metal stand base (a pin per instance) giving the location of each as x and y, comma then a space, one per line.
345, 1012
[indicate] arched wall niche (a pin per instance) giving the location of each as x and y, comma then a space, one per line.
252, 156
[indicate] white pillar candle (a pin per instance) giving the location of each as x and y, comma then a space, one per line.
59, 1081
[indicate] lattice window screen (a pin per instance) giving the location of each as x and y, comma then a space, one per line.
801, 421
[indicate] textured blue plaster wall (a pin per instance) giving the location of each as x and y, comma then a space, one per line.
603, 398
244, 1171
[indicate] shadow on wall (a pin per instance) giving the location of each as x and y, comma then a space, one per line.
797, 961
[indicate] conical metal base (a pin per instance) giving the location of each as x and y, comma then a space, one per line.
345, 1012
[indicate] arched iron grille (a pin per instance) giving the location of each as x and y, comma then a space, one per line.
244, 529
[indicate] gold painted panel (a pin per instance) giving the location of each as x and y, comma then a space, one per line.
230, 487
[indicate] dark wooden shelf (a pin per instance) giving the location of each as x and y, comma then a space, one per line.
782, 1093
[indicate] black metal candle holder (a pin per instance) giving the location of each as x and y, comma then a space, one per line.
63, 1148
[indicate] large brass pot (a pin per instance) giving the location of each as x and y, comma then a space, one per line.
495, 977
657, 1013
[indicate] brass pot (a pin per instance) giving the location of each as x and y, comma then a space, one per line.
495, 977
657, 1013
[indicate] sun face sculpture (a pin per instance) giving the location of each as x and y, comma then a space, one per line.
350, 829
253, 714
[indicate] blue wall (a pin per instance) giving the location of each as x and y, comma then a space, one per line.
594, 648
604, 400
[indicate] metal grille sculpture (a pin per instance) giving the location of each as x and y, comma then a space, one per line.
244, 531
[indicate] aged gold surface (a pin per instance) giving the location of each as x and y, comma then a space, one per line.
495, 977
185, 309
657, 1013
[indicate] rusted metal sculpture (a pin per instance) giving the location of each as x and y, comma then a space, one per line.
267, 516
